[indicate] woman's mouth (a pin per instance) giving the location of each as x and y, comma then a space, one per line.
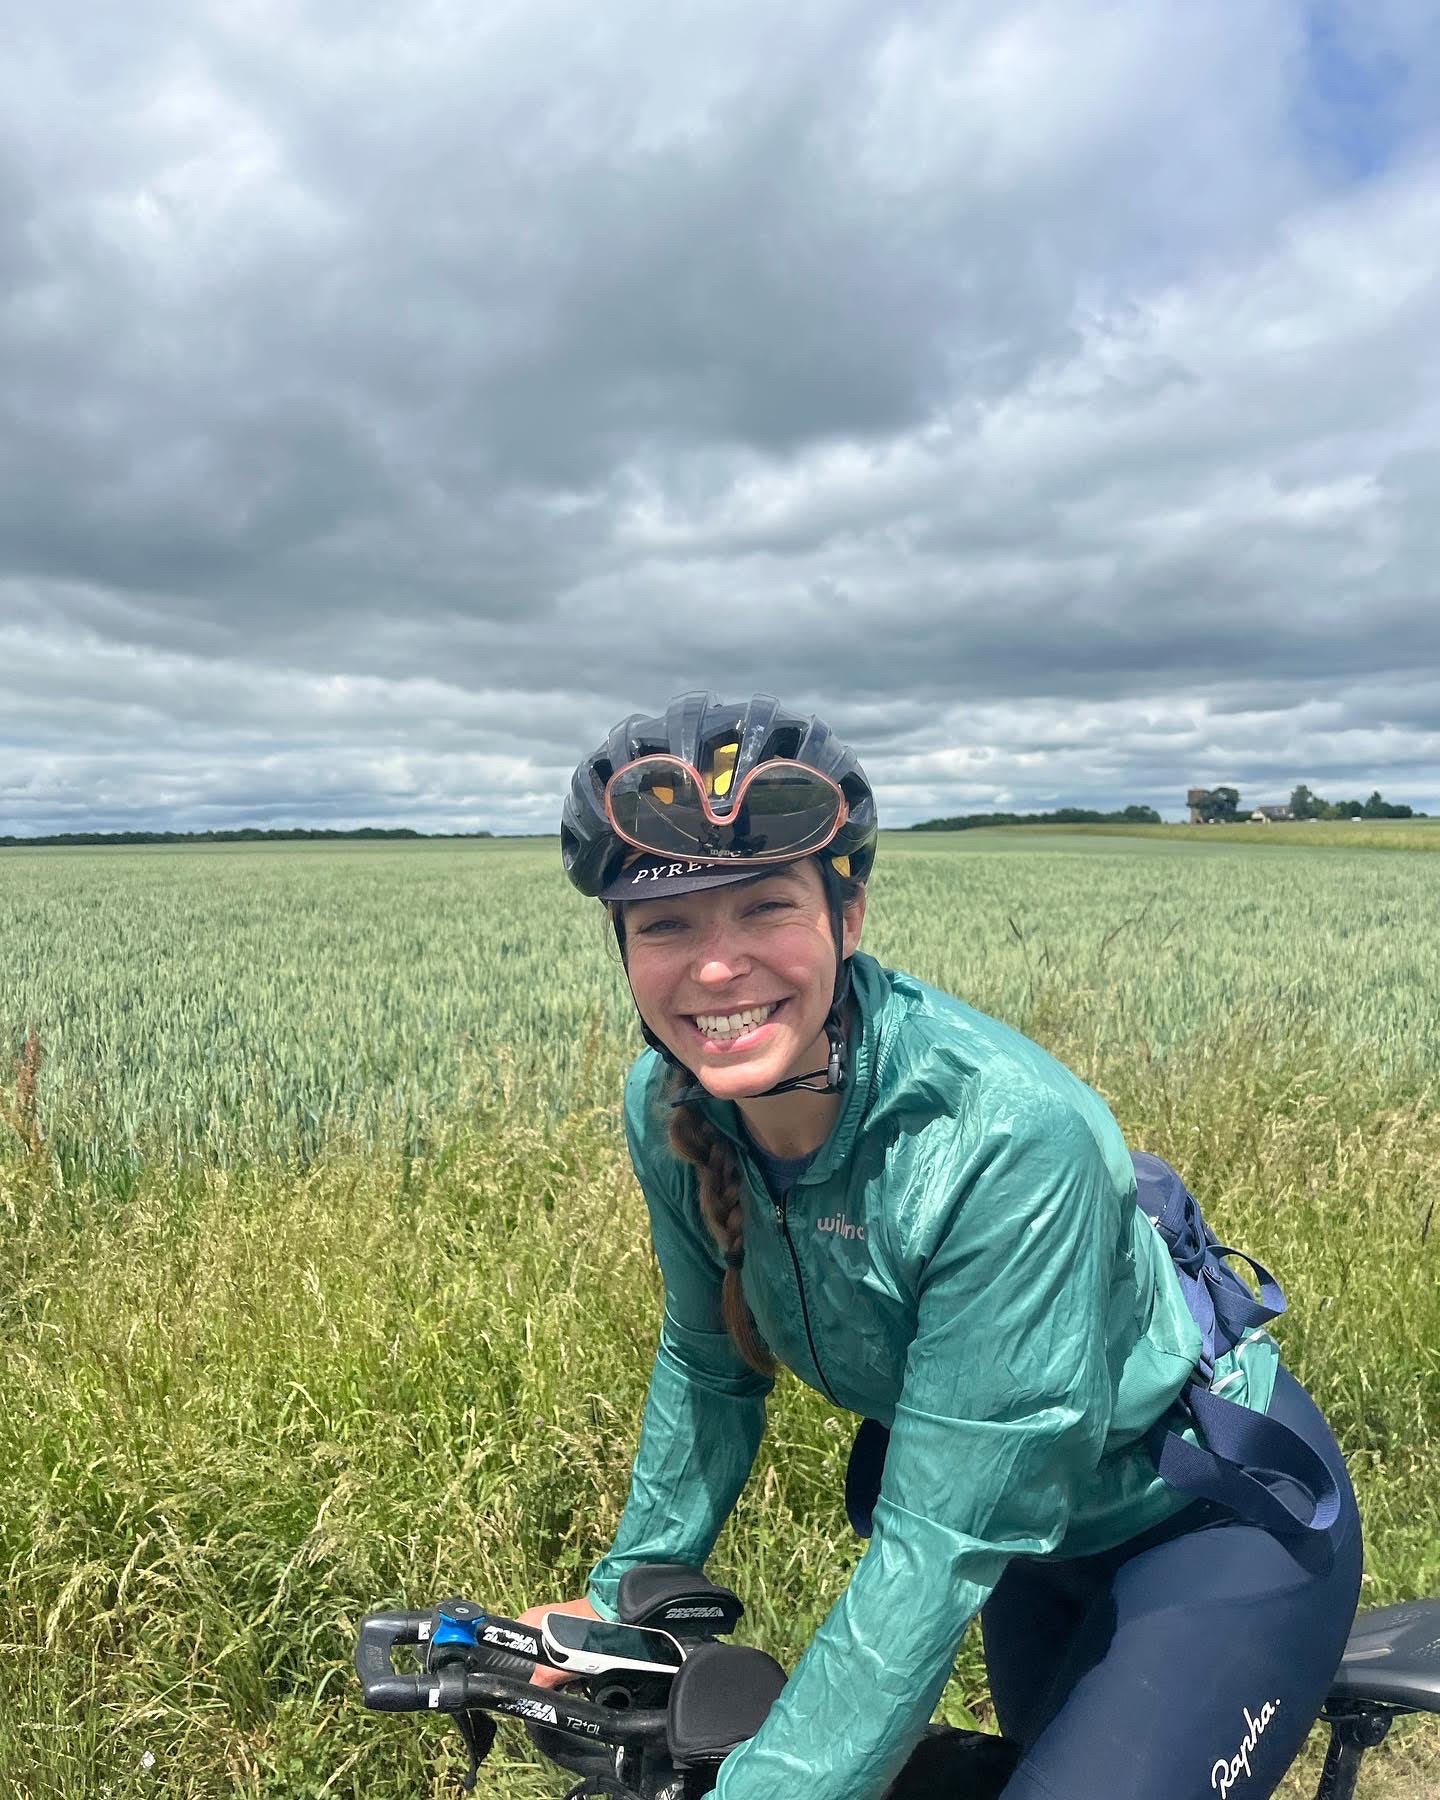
735, 1029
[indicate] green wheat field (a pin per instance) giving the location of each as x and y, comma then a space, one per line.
324, 1283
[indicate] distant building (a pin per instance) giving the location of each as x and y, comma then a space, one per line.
1195, 798
1270, 815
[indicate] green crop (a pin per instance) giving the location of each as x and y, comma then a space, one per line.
230, 1003
324, 1282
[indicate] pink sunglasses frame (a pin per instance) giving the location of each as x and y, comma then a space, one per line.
842, 812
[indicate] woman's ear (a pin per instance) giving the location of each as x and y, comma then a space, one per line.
854, 918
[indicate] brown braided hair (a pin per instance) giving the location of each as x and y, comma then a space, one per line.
721, 1189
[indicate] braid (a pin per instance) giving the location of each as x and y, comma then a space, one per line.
694, 1139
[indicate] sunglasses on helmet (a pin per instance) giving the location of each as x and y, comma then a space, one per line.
781, 810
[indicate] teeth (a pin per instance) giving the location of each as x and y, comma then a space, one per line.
729, 1025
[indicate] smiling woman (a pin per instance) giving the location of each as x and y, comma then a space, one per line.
742, 977
935, 1224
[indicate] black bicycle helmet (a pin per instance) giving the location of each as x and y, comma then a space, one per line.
734, 736
702, 729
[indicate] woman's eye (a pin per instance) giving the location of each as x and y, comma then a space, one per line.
771, 905
656, 926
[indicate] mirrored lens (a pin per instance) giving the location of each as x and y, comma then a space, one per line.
784, 811
656, 805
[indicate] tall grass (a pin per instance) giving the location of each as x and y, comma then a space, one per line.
245, 1397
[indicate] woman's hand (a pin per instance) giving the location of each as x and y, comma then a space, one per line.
582, 1609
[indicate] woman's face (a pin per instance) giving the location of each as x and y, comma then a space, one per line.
701, 962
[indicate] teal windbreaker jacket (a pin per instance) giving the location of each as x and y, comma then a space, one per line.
963, 1261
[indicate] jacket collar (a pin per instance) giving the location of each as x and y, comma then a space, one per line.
870, 985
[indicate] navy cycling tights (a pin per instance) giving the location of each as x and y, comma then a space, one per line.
1186, 1664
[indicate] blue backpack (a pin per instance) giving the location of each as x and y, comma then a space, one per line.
1247, 1461
1257, 1468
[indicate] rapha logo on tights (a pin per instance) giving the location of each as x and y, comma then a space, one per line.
841, 1226
1227, 1772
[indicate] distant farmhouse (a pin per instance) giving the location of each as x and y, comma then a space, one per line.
1219, 806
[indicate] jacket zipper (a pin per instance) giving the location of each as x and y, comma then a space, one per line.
780, 1206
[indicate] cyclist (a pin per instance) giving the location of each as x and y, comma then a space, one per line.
934, 1223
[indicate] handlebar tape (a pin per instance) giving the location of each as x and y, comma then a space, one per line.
556, 1707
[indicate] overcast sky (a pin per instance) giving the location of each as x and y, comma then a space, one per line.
391, 398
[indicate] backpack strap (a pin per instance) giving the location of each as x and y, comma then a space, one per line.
863, 1473
1236, 1308
1246, 1463
1219, 1301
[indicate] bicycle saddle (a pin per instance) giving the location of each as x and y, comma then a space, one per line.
1393, 1657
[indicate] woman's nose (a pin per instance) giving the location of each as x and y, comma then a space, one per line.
719, 959
718, 970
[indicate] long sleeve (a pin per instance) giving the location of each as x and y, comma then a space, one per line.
705, 1412
1006, 1401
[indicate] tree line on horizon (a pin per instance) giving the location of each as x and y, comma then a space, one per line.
245, 834
1064, 815
1221, 806
1305, 805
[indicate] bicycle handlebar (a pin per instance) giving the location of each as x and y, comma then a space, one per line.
477, 1665
455, 1689
385, 1691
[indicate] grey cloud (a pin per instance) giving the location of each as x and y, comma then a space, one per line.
927, 366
